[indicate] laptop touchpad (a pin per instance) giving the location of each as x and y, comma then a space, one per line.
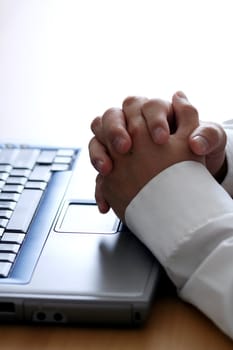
79, 217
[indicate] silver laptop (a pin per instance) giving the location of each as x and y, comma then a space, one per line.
60, 259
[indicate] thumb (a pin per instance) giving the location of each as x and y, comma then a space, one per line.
208, 138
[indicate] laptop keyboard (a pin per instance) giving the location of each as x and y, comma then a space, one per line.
25, 173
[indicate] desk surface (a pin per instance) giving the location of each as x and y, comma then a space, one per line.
172, 325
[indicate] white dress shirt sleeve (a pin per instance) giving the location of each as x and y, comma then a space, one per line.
186, 219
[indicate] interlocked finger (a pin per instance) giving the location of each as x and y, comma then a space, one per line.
132, 107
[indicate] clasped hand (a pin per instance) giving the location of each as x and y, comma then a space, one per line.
137, 142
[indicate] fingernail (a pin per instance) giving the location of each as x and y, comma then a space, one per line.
202, 142
159, 135
103, 207
98, 164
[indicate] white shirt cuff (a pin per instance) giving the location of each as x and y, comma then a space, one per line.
174, 205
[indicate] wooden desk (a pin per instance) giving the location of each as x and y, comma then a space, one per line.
172, 325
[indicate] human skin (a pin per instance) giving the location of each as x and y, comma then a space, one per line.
146, 159
111, 134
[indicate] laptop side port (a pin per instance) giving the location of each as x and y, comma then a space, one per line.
7, 307
48, 316
11, 310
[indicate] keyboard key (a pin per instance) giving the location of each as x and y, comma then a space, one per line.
41, 173
63, 160
7, 257
13, 188
2, 183
16, 180
8, 155
9, 247
3, 222
60, 167
39, 185
7, 205
26, 158
5, 268
13, 237
4, 176
2, 230
47, 157
24, 210
5, 168
6, 214
20, 172
65, 152
7, 196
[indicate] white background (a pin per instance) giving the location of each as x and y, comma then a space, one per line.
63, 62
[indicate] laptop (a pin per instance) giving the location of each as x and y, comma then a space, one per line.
61, 261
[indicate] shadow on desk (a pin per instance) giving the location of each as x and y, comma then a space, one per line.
171, 325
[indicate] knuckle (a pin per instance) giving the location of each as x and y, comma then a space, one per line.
112, 123
214, 133
91, 144
94, 149
189, 111
95, 124
155, 102
211, 131
128, 101
135, 128
134, 102
154, 106
110, 113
